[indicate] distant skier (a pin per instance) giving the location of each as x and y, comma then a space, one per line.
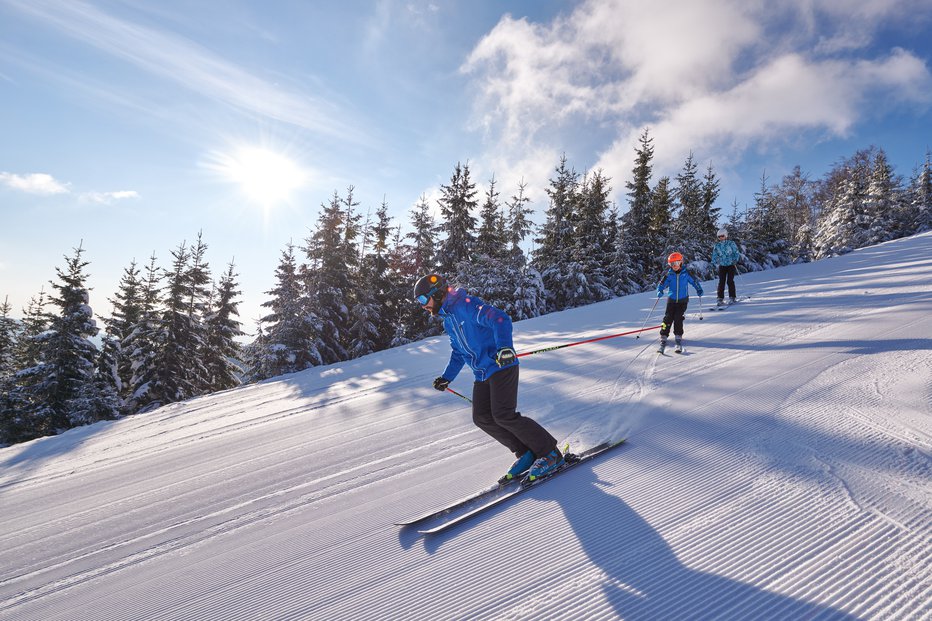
676, 280
725, 258
480, 335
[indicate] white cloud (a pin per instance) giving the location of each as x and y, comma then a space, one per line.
35, 183
108, 198
724, 75
180, 60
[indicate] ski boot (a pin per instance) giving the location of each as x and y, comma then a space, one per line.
518, 468
732, 300
544, 466
721, 302
663, 345
679, 346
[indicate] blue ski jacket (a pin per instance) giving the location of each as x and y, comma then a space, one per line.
677, 283
725, 253
477, 331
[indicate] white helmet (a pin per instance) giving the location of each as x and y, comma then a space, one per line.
722, 233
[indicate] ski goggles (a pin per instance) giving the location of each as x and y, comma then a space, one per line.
721, 237
424, 298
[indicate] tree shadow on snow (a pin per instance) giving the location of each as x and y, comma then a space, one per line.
643, 577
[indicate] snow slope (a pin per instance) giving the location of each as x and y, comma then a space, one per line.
781, 469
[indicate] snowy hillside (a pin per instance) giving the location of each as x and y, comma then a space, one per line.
781, 469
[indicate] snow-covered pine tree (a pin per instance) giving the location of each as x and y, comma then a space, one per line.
457, 203
920, 197
221, 354
327, 279
61, 386
290, 331
365, 312
842, 219
659, 231
883, 204
124, 320
555, 241
142, 343
635, 222
492, 238
795, 198
383, 288
691, 233
411, 261
179, 372
766, 238
590, 255
8, 332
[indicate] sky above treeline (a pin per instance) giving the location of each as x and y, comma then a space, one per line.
130, 126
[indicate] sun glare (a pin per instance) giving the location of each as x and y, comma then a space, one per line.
264, 176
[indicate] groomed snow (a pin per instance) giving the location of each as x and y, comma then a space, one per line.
781, 469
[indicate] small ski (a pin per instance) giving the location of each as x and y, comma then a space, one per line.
458, 504
572, 460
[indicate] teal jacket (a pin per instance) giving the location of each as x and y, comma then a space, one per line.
677, 283
725, 253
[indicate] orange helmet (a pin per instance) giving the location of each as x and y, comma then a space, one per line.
674, 258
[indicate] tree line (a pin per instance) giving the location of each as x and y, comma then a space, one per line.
345, 290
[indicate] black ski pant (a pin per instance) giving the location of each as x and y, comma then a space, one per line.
494, 404
676, 311
726, 272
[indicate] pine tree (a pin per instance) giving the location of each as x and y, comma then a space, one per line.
143, 342
691, 231
518, 222
327, 280
423, 239
61, 387
491, 240
883, 204
590, 254
659, 224
842, 218
289, 333
920, 197
124, 321
457, 202
795, 200
556, 240
221, 353
8, 333
179, 372
636, 221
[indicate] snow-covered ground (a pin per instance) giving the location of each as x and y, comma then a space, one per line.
781, 469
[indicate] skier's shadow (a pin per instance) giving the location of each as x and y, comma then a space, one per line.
643, 577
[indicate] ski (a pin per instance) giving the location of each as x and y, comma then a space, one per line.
458, 504
572, 461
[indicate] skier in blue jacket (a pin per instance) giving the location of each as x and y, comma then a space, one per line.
677, 281
725, 257
480, 336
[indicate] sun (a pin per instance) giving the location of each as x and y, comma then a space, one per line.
264, 176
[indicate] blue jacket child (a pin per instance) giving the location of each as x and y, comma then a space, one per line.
480, 336
677, 280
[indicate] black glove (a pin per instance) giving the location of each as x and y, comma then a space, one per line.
441, 383
505, 356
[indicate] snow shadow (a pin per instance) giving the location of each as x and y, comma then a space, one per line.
641, 576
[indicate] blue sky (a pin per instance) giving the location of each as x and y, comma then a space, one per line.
129, 126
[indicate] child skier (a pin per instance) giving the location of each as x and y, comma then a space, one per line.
725, 258
480, 336
677, 279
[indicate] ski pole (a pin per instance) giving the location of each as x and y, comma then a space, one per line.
458, 394
700, 308
601, 338
648, 317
